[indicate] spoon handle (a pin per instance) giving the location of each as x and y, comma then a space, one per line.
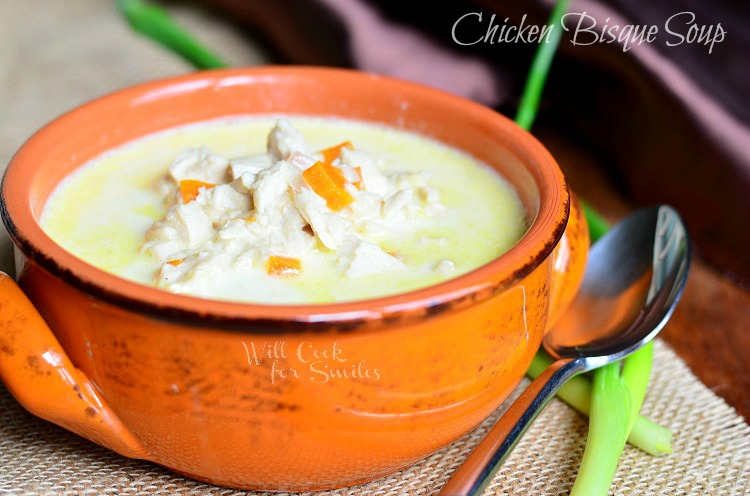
477, 471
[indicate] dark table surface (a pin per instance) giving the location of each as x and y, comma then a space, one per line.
710, 328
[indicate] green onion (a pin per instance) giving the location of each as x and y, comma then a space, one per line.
154, 22
644, 435
609, 420
636, 370
597, 225
650, 437
545, 53
616, 398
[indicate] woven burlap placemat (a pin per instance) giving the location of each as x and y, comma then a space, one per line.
711, 453
55, 55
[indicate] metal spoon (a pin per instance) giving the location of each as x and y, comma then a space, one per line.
634, 278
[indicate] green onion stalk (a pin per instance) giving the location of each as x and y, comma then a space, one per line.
644, 435
613, 398
152, 21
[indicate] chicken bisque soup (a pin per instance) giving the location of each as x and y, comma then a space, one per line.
285, 210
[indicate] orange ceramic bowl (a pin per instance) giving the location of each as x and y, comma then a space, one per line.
278, 397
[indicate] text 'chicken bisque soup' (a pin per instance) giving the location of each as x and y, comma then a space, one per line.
285, 210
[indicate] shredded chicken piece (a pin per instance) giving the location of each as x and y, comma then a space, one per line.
261, 207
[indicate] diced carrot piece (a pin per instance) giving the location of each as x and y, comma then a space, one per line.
284, 266
189, 189
328, 182
174, 263
396, 254
359, 184
331, 154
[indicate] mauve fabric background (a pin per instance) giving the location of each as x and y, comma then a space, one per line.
673, 123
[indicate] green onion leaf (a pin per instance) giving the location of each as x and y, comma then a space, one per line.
154, 22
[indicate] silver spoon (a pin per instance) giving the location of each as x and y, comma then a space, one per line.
634, 278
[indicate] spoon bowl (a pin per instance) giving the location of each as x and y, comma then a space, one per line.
634, 278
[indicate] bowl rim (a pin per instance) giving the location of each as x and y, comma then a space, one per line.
468, 289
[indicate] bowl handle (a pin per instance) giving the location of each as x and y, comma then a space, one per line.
568, 261
40, 375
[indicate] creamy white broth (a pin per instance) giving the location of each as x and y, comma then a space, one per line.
102, 212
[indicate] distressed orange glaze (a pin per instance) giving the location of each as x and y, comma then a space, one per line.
569, 261
242, 395
40, 375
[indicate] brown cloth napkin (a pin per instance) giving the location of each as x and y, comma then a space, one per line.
673, 121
